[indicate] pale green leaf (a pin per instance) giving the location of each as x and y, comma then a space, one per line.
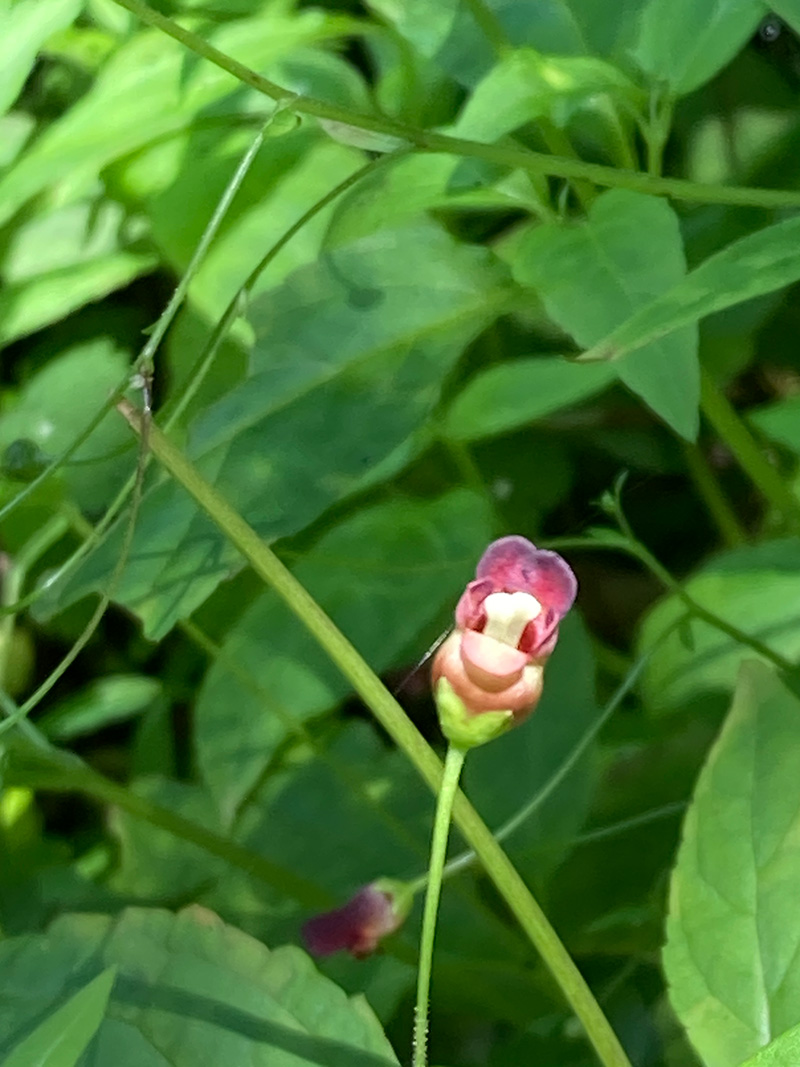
190, 992
593, 275
683, 43
759, 263
784, 1051
107, 700
733, 929
510, 395
24, 28
62, 1038
754, 588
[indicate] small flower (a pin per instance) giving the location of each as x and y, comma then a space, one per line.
492, 665
376, 910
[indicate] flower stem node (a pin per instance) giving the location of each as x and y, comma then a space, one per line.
461, 727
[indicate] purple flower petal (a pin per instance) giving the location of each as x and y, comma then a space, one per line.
513, 564
356, 927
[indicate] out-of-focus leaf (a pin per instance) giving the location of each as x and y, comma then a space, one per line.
683, 43
510, 395
108, 700
190, 992
593, 275
759, 263
62, 259
731, 954
15, 129
448, 33
526, 86
756, 589
24, 28
55, 405
780, 422
349, 358
62, 1038
146, 92
383, 576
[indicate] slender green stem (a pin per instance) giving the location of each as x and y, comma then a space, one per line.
713, 497
425, 140
453, 763
490, 26
397, 724
731, 428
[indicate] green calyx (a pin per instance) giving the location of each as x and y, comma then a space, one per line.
463, 728
400, 893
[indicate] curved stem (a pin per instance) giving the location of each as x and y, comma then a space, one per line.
402, 731
731, 428
453, 763
425, 140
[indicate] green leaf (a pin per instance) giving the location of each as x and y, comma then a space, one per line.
594, 275
449, 34
759, 263
733, 928
383, 575
683, 43
147, 92
526, 86
25, 28
784, 1051
112, 699
348, 362
61, 259
55, 405
62, 1038
190, 992
779, 421
510, 395
754, 588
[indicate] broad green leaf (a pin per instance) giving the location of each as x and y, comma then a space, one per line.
62, 1038
594, 275
383, 575
683, 43
348, 361
759, 263
784, 1051
114, 698
190, 992
448, 33
147, 92
54, 406
24, 28
756, 589
733, 927
526, 86
510, 395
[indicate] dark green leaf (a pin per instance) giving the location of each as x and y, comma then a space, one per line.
594, 275
731, 954
349, 358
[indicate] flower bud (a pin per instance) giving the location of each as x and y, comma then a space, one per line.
376, 910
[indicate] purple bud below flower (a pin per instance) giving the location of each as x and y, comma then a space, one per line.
376, 910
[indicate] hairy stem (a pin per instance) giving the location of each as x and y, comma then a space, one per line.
453, 763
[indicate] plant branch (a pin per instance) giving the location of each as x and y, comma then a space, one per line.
428, 141
392, 717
